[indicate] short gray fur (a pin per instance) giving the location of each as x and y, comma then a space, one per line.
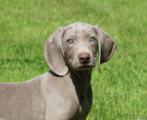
65, 92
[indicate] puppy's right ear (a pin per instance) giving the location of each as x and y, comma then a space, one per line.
53, 53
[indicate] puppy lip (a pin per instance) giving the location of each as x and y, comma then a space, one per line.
84, 67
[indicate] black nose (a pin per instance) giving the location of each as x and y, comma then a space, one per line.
84, 58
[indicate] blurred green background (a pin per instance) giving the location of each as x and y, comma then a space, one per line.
120, 91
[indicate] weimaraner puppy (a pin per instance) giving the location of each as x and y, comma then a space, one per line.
63, 93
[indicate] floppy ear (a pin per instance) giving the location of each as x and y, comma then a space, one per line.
53, 53
106, 45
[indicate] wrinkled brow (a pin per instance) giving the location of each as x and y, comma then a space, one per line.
78, 27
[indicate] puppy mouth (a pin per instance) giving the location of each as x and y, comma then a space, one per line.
84, 67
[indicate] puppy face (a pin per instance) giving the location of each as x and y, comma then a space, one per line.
80, 46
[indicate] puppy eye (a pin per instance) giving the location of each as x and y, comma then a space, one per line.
69, 41
92, 39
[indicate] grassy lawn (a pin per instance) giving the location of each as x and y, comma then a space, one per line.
120, 91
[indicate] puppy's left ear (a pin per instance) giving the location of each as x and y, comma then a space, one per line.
106, 44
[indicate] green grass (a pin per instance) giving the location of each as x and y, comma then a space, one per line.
120, 92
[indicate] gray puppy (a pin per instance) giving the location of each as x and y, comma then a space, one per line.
65, 92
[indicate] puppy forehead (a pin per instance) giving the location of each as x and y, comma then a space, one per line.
79, 28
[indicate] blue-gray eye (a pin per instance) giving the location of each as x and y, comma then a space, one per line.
70, 41
92, 39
